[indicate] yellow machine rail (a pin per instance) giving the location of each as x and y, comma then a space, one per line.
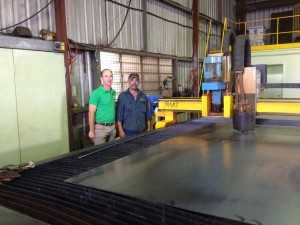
285, 106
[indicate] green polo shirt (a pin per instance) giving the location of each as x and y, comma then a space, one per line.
105, 102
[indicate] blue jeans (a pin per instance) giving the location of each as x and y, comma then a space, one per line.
130, 133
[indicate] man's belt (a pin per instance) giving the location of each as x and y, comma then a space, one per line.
105, 124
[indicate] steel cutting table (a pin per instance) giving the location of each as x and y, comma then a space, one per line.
252, 177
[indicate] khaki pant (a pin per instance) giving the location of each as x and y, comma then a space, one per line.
104, 133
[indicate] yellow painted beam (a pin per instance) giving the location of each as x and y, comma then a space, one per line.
170, 118
180, 104
162, 124
228, 106
160, 114
275, 46
206, 105
168, 115
278, 106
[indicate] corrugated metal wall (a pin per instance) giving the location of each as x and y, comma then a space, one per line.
210, 8
264, 14
228, 9
13, 12
81, 78
214, 40
169, 30
183, 70
185, 3
97, 22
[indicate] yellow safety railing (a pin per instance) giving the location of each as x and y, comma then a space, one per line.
247, 24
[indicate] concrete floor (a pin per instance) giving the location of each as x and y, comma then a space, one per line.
10, 217
253, 177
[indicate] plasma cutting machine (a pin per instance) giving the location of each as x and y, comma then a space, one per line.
227, 76
220, 83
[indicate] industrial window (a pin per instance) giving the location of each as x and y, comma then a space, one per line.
152, 71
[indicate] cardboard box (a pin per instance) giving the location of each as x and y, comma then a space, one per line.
257, 42
257, 33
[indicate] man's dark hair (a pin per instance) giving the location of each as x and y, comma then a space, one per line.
133, 75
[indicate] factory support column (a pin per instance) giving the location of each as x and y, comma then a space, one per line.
61, 34
195, 15
241, 15
144, 22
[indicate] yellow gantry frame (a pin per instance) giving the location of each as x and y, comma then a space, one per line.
169, 107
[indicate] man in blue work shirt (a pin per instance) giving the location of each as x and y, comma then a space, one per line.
134, 114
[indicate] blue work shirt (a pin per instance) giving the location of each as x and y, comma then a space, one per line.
133, 113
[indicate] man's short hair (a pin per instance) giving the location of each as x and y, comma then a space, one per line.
104, 71
133, 75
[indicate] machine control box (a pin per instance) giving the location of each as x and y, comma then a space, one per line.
213, 68
58, 46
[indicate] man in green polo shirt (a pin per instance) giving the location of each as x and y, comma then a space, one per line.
102, 110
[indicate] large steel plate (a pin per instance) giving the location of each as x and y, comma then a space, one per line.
253, 177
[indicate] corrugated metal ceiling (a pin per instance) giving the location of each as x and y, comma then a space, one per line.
169, 29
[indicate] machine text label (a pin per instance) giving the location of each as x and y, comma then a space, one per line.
171, 104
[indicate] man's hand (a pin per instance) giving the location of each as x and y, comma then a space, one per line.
122, 133
92, 136
148, 125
